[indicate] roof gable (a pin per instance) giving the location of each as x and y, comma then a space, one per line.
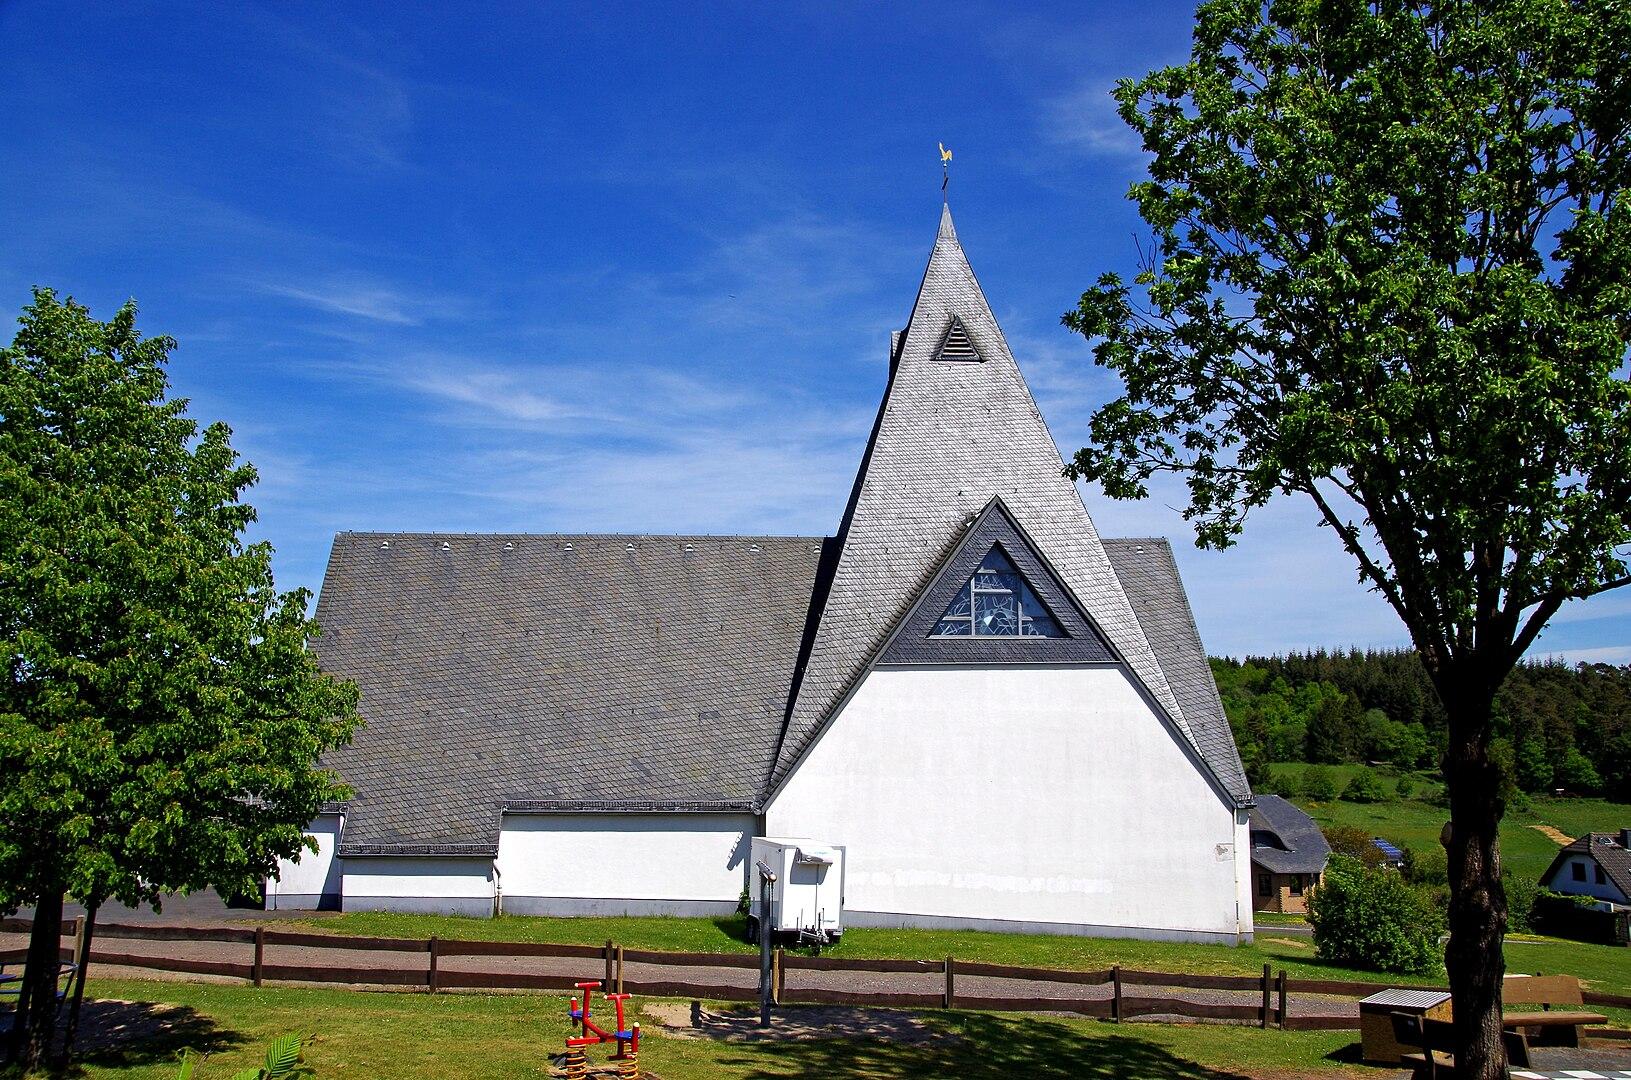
1606, 851
916, 641
949, 437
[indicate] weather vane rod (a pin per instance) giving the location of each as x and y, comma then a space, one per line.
945, 170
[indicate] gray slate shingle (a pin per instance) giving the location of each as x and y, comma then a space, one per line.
1150, 578
950, 436
1285, 840
509, 668
556, 671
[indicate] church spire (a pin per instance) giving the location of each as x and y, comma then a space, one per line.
951, 436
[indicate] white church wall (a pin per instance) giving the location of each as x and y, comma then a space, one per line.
623, 864
311, 880
1243, 875
1023, 798
441, 886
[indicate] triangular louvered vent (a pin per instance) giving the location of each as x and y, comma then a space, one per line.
956, 344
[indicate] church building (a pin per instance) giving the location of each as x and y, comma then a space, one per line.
1004, 720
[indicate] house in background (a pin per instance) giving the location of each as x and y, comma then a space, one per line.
1288, 855
1597, 865
990, 707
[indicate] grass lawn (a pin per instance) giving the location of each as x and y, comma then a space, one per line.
1601, 967
1416, 823
385, 1036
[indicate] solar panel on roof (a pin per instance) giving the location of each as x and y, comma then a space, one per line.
1386, 848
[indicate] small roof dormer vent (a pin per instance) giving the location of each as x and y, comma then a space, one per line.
956, 345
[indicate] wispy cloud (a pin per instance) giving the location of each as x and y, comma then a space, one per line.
1085, 121
369, 300
1607, 654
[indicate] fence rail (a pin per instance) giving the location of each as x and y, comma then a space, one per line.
1269, 988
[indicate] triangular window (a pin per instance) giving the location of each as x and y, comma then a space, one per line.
997, 602
956, 344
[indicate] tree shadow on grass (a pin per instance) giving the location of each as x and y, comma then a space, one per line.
129, 1034
990, 1048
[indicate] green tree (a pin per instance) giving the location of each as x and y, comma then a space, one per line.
1373, 919
1318, 784
1365, 787
162, 717
1391, 274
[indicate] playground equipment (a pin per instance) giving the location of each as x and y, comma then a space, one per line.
626, 1036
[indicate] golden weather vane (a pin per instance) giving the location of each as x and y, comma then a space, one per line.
945, 168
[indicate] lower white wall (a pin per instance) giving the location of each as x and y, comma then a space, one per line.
312, 879
623, 864
1025, 798
445, 886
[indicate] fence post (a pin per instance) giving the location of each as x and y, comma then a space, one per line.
951, 983
260, 954
620, 969
1115, 999
610, 960
1263, 1017
1282, 981
79, 941
433, 977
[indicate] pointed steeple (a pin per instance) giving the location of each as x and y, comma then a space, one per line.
949, 438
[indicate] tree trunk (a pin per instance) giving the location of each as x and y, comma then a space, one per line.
36, 1018
1477, 915
84, 960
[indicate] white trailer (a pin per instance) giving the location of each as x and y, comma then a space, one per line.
807, 899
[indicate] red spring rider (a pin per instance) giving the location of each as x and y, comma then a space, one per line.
626, 1036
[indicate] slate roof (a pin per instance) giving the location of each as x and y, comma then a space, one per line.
1285, 840
1607, 851
672, 673
949, 437
1150, 578
556, 670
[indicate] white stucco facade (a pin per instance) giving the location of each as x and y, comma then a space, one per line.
623, 863
1020, 797
312, 879
447, 886
1591, 881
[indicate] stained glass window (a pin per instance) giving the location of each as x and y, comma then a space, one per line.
996, 602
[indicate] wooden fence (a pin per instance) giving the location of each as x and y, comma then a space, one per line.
1266, 1007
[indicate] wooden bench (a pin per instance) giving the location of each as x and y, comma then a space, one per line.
1547, 1027
1434, 1040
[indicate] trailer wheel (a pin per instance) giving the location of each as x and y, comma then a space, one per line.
753, 929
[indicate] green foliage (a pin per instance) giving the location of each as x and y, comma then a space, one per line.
1365, 787
162, 715
1319, 784
1352, 842
1521, 892
283, 1061
1405, 788
1373, 919
1577, 774
1546, 711
1426, 866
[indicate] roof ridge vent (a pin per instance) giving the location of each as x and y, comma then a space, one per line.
956, 345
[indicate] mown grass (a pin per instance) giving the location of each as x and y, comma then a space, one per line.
1602, 967
1417, 823
386, 1036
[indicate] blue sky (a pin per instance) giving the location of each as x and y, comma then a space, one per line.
600, 267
